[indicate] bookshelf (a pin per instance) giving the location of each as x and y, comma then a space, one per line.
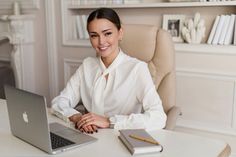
72, 8
154, 5
202, 69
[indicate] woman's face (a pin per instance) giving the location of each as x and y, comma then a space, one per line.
104, 37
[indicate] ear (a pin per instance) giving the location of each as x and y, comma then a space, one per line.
121, 32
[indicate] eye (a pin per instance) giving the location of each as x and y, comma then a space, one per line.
93, 35
108, 33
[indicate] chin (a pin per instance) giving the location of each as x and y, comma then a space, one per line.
104, 54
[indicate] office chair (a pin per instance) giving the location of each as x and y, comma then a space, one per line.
155, 46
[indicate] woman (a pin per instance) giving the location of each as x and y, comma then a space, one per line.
116, 89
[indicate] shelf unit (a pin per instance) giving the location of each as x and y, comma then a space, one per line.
71, 9
200, 68
155, 5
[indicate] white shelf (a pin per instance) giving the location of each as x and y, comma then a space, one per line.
206, 48
79, 42
16, 17
156, 5
180, 47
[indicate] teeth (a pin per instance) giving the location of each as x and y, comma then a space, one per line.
103, 48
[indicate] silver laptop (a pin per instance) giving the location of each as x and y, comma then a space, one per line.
28, 121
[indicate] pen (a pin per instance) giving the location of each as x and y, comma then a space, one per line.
144, 139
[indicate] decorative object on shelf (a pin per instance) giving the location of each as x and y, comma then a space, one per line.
16, 8
173, 24
194, 29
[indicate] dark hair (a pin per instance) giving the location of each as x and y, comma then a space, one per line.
105, 13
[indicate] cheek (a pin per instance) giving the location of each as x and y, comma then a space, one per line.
113, 40
93, 42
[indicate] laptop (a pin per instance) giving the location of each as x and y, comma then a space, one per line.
28, 121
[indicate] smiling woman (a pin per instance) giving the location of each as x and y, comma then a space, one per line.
116, 89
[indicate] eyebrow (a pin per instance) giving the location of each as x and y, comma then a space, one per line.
102, 31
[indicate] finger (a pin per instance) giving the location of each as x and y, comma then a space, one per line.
89, 122
85, 129
86, 117
86, 121
81, 130
88, 129
95, 128
83, 119
81, 123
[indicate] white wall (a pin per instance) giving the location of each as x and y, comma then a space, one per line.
40, 56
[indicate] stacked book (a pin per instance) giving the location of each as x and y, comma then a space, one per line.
81, 26
138, 141
223, 31
95, 2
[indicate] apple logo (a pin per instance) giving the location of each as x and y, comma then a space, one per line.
25, 117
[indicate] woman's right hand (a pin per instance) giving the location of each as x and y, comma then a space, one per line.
88, 129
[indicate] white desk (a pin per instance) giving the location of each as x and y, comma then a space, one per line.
108, 145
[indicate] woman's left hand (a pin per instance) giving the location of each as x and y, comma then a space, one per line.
93, 119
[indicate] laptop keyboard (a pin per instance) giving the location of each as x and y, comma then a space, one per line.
58, 141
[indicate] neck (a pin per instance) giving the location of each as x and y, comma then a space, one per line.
109, 59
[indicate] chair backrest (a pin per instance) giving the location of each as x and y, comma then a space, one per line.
154, 46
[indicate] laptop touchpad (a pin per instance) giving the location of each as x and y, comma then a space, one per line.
73, 135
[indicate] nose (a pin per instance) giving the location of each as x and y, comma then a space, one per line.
101, 40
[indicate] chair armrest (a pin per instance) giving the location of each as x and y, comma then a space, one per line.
172, 116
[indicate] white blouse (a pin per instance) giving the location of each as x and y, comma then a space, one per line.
128, 96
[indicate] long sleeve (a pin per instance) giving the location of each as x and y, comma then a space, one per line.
63, 105
128, 95
153, 115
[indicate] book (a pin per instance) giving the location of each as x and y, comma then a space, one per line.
224, 30
84, 26
213, 30
218, 30
230, 32
139, 141
79, 27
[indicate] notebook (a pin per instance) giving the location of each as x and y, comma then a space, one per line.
138, 141
28, 121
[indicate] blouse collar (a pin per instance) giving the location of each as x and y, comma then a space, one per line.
114, 64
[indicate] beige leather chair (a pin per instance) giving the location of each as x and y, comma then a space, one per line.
155, 46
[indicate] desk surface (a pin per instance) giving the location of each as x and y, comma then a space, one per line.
174, 143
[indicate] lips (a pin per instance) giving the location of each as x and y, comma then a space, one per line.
103, 48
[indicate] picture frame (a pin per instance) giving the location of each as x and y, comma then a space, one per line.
173, 24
